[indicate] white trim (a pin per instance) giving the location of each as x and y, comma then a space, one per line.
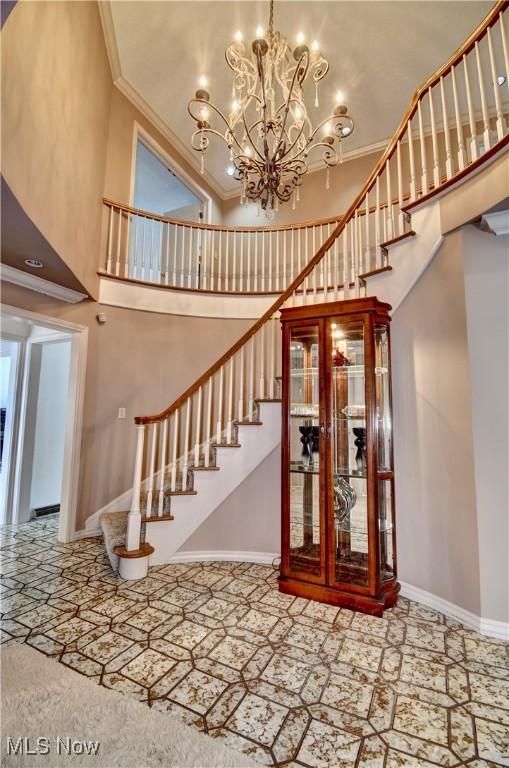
74, 418
164, 300
498, 629
139, 133
497, 223
86, 534
262, 558
39, 284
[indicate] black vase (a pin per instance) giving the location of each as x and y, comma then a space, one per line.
360, 456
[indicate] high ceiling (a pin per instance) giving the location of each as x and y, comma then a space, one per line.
379, 53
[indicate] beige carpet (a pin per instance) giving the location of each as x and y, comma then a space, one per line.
43, 698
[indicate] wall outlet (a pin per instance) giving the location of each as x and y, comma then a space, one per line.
121, 413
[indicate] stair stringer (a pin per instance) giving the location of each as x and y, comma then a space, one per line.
235, 464
409, 258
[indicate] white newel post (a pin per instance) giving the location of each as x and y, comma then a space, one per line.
134, 516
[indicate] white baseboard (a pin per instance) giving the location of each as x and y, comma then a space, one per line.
498, 629
262, 558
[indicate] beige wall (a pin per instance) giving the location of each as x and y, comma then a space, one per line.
434, 453
249, 520
137, 360
487, 292
56, 88
315, 201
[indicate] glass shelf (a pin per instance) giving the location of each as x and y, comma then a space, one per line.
345, 527
301, 470
350, 473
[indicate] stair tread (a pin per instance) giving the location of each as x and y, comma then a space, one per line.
397, 239
268, 400
204, 469
374, 272
156, 518
226, 445
177, 492
144, 550
248, 423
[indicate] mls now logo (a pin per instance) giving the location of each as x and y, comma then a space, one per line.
23, 745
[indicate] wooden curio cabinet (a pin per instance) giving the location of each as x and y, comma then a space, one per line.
338, 522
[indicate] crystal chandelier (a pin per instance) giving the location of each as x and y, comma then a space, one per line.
268, 132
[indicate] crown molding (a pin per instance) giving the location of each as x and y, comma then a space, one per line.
110, 38
497, 223
39, 284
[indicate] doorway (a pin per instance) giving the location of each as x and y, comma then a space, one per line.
45, 362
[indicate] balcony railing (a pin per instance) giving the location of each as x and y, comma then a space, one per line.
201, 257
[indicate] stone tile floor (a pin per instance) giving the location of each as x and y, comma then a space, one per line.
288, 681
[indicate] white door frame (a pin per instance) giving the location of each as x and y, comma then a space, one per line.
74, 418
11, 427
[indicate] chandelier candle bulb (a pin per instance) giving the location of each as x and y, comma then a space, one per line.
268, 131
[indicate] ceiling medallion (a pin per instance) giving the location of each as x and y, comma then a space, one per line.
268, 131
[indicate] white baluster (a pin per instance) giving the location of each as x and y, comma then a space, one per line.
256, 261
209, 422
270, 262
285, 264
449, 167
272, 380
474, 153
127, 245
219, 424
390, 216
263, 261
227, 261
422, 142
162, 468
185, 467
353, 251
496, 89
152, 461
190, 259
299, 262
234, 266
198, 430
176, 232
505, 47
110, 227
229, 423
212, 251
241, 270
151, 255
292, 262
277, 259
401, 215
367, 255
134, 516
251, 374
462, 160
174, 455
378, 250
167, 265
134, 271
159, 250
249, 238
346, 276
329, 262
119, 239
200, 277
411, 157
434, 141
241, 385
484, 107
220, 274
261, 390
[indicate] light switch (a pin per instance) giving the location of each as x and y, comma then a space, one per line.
121, 413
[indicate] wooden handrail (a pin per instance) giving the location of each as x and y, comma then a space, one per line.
390, 149
218, 227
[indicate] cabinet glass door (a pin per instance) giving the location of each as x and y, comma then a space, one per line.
385, 476
305, 536
348, 453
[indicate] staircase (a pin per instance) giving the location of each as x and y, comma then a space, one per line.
191, 456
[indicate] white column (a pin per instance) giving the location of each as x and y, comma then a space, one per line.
162, 467
134, 516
